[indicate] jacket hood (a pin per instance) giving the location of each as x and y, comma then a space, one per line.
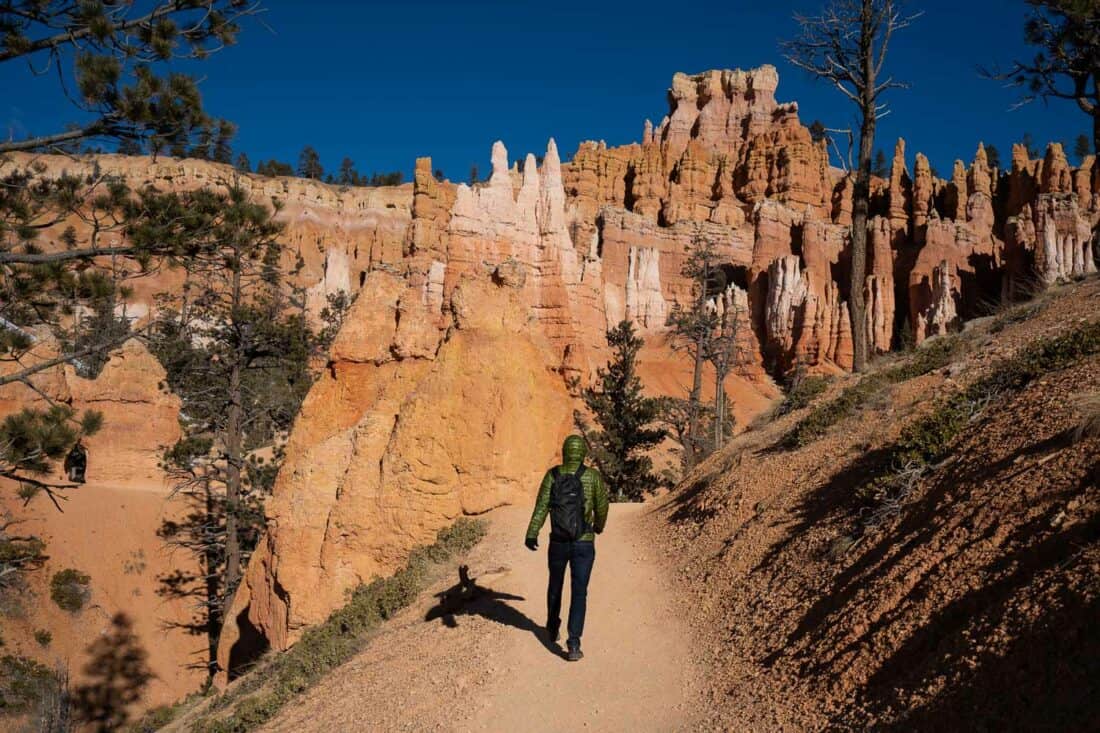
574, 450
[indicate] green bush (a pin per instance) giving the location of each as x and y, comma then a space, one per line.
804, 392
932, 355
330, 644
928, 440
69, 589
1016, 314
155, 719
936, 354
43, 637
23, 683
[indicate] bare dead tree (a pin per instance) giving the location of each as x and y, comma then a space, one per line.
725, 354
846, 45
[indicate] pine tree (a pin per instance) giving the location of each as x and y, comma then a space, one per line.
1028, 141
309, 164
40, 290
221, 150
274, 168
130, 147
243, 164
625, 417
474, 175
993, 156
1066, 65
348, 175
112, 59
881, 167
237, 352
117, 51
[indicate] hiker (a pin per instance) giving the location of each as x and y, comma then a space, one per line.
76, 463
576, 500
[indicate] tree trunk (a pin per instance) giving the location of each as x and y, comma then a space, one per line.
719, 408
861, 197
233, 451
211, 556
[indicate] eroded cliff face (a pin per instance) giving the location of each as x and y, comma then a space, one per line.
425, 414
504, 291
334, 235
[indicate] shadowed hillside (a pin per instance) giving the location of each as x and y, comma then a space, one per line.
924, 558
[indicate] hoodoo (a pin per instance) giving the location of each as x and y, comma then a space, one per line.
555, 254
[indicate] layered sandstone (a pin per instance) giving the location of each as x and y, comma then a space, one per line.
333, 236
482, 308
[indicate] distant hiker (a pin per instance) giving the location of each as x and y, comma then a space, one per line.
76, 463
576, 500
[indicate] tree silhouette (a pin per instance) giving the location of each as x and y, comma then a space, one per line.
117, 675
1066, 64
309, 164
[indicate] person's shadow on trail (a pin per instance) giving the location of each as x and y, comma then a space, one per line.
467, 598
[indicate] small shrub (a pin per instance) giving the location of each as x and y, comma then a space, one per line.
803, 392
159, 717
823, 417
24, 683
1014, 315
18, 555
933, 355
928, 440
69, 589
43, 637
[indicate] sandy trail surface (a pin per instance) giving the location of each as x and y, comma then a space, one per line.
476, 659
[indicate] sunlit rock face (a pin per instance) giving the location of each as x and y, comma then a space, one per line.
540, 260
482, 309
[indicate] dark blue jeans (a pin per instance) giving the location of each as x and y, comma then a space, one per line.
579, 556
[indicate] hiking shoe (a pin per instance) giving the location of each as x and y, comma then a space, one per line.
553, 631
575, 654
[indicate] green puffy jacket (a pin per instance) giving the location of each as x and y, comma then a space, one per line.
573, 451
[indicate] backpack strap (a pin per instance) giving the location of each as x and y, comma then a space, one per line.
554, 472
580, 471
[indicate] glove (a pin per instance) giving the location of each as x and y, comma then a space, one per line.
532, 543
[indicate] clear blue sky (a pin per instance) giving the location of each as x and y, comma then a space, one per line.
384, 83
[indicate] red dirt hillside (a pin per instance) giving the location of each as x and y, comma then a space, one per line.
966, 602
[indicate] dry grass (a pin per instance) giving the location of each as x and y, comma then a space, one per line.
1088, 405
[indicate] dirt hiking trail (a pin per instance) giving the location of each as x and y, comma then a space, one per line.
476, 659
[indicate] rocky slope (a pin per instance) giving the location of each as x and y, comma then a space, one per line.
970, 603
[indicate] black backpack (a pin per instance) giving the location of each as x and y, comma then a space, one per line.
567, 506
